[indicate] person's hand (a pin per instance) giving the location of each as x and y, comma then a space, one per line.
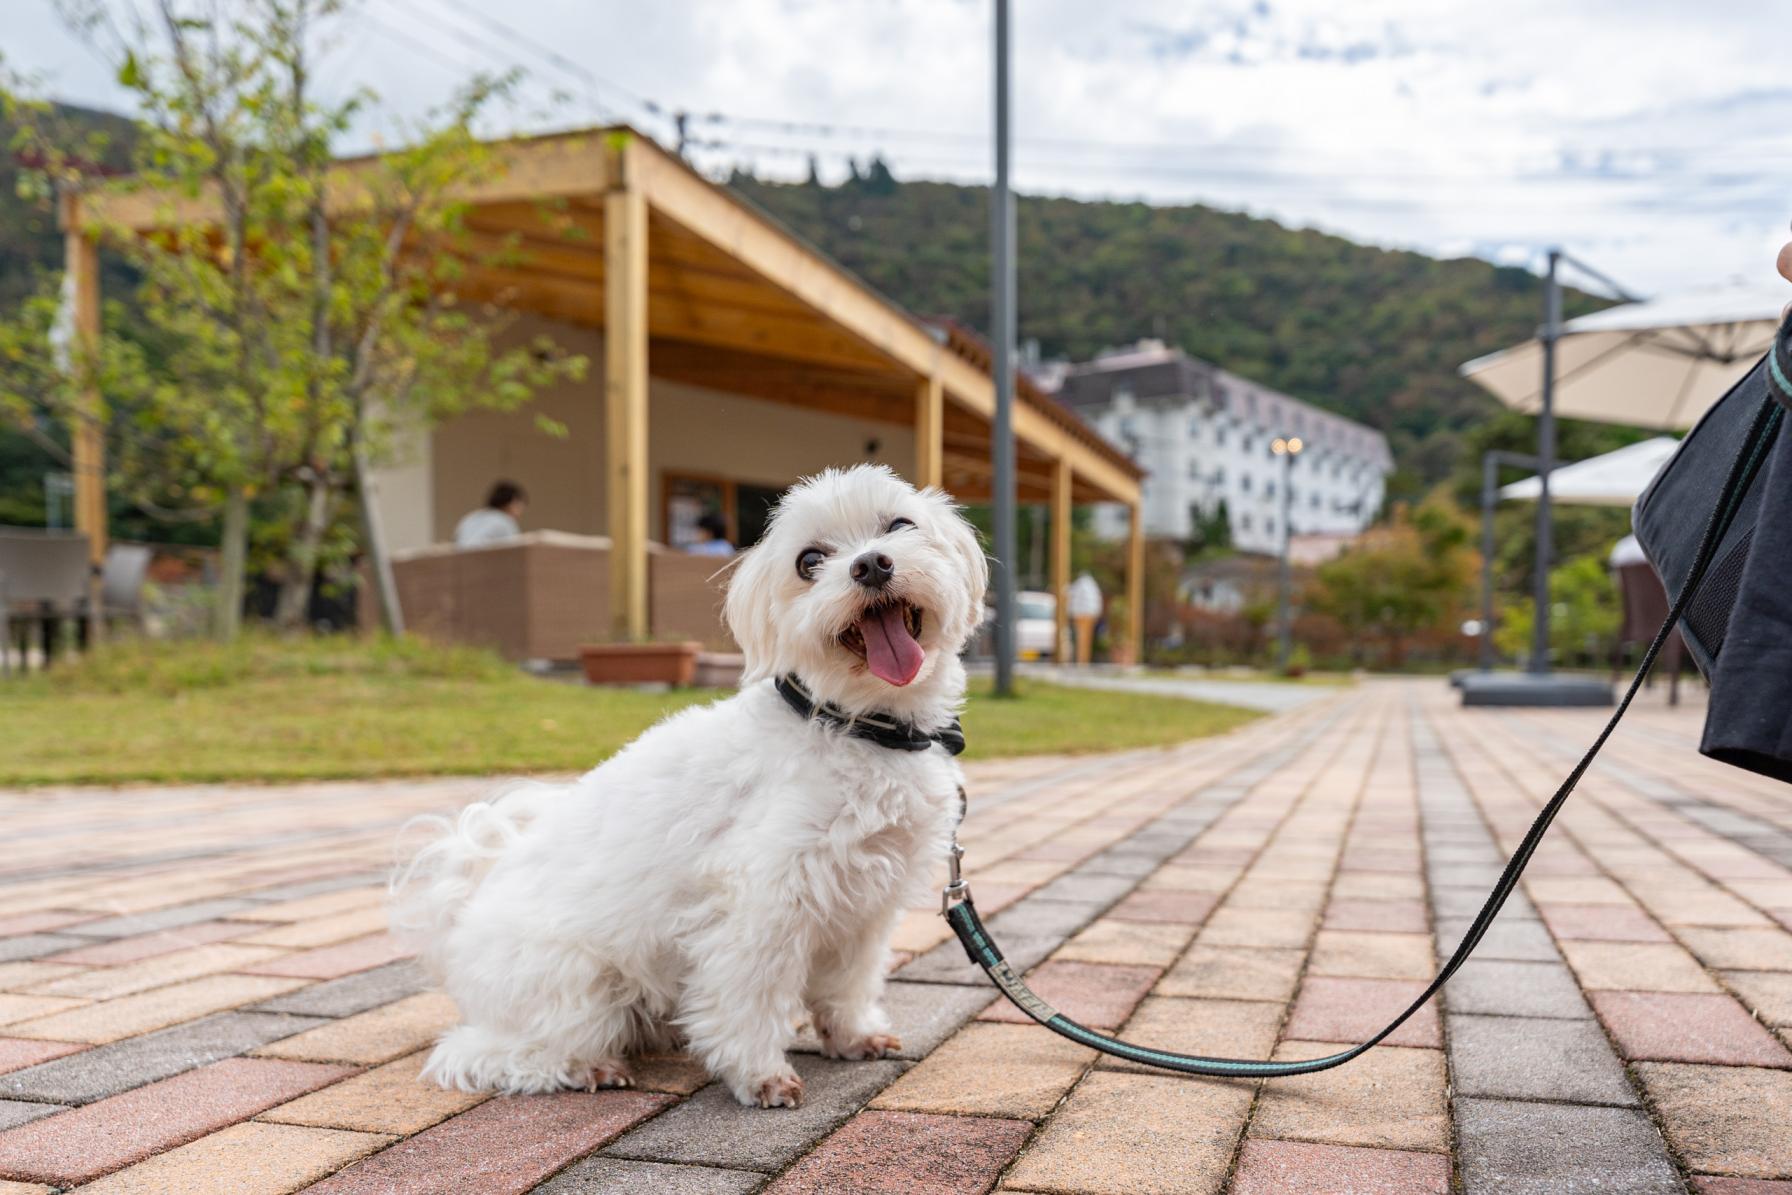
1786, 273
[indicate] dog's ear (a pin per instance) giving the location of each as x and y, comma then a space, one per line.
748, 611
961, 538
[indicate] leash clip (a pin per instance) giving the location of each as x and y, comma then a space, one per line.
956, 888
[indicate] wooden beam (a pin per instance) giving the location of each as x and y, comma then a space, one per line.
87, 435
1063, 482
930, 431
1135, 581
625, 398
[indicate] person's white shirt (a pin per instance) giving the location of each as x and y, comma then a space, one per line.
710, 547
485, 526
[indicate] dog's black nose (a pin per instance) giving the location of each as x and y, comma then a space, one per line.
873, 570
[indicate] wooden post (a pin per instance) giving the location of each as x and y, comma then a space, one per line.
1135, 581
625, 395
1061, 482
87, 435
930, 432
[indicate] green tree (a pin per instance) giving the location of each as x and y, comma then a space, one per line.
318, 311
1584, 613
1414, 574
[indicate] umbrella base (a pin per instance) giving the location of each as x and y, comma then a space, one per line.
1531, 689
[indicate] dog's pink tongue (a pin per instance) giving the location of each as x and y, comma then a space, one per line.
890, 651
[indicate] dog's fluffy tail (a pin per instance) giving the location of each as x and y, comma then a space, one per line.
441, 861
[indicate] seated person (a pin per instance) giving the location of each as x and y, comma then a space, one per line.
712, 537
496, 521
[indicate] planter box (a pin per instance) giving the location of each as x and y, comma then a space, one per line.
640, 663
720, 670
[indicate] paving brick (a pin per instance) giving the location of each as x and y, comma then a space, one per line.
17, 1053
389, 1099
1679, 1027
118, 951
1094, 994
1531, 1058
1514, 1148
40, 920
1467, 902
15, 1008
620, 1176
8, 1187
87, 1142
1740, 949
22, 977
1304, 1168
324, 904
1256, 893
131, 1015
713, 1129
1389, 1098
322, 931
1602, 923
922, 1014
17, 1112
244, 1159
1377, 885
1371, 955
1137, 1135
107, 1070
1727, 1119
1085, 887
502, 1147
907, 1153
1767, 994
1190, 879
992, 1070
1233, 972
1525, 941
1286, 928
352, 993
676, 1074
108, 983
1714, 1185
31, 946
1576, 890
1387, 916
1224, 1028
1183, 908
1636, 967
1513, 989
331, 882
377, 1035
173, 917
1135, 943
331, 962
1353, 1010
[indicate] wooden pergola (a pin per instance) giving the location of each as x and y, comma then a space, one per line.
692, 284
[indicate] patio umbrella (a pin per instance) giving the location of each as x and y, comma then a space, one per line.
1614, 479
1659, 363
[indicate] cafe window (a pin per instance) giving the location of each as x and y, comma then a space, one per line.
745, 508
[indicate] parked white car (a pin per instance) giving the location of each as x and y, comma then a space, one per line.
1034, 626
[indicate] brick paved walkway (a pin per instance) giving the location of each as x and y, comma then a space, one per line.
196, 993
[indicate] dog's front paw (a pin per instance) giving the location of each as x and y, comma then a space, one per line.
611, 1072
780, 1091
861, 1049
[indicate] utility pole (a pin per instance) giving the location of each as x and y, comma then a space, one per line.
1001, 334
1287, 449
1546, 460
680, 120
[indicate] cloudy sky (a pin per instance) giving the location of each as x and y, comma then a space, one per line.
1650, 137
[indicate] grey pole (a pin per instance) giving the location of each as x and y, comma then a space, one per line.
1490, 496
1001, 334
1284, 604
1546, 461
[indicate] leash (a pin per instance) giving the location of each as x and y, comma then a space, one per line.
961, 912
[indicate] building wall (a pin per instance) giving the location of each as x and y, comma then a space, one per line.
690, 430
1198, 457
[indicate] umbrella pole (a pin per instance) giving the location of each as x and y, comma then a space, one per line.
1490, 496
1546, 461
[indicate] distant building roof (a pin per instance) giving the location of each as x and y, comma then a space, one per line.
1151, 370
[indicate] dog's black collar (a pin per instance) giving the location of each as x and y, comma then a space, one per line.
881, 729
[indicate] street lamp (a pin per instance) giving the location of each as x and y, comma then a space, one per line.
1287, 448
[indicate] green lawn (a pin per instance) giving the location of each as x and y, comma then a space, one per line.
1258, 676
267, 711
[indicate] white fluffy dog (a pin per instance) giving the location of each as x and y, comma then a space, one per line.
741, 863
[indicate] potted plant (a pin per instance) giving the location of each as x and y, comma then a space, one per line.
1299, 660
650, 662
1120, 632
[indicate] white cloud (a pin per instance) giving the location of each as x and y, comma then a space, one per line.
1645, 135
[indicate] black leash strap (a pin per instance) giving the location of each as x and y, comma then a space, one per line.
961, 913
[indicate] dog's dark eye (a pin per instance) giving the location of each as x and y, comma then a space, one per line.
807, 561
898, 524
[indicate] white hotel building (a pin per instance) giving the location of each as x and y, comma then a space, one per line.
1204, 436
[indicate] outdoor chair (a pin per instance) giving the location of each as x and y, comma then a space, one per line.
1645, 602
121, 583
46, 580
